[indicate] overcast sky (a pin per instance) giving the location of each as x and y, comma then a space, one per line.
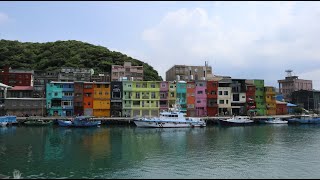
250, 40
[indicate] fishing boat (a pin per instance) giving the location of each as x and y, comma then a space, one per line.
304, 119
277, 120
236, 120
37, 121
80, 121
8, 120
173, 118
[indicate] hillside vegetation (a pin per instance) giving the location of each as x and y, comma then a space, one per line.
53, 55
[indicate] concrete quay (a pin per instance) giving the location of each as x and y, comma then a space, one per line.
129, 120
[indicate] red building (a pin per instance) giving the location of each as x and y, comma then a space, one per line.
212, 97
12, 77
281, 108
78, 98
250, 101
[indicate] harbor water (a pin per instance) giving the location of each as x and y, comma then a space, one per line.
110, 151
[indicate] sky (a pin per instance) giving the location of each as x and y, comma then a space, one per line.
246, 39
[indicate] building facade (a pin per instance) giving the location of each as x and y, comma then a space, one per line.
250, 98
189, 73
59, 98
164, 96
14, 77
70, 74
292, 83
201, 98
191, 99
224, 96
78, 98
116, 99
212, 98
271, 104
88, 92
260, 97
127, 71
238, 97
182, 95
101, 99
41, 78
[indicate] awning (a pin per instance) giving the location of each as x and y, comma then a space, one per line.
291, 105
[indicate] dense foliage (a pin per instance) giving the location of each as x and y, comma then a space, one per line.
53, 55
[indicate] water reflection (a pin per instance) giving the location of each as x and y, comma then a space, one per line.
130, 152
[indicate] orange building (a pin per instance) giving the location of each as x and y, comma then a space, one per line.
101, 99
88, 98
191, 99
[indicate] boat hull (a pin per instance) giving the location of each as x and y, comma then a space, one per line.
3, 124
228, 123
67, 123
38, 123
149, 124
276, 122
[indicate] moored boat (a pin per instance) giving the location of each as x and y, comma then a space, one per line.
36, 121
236, 121
277, 120
304, 119
173, 118
80, 121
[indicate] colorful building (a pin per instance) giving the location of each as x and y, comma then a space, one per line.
141, 98
191, 99
250, 98
101, 99
271, 105
12, 77
88, 98
78, 98
60, 98
212, 98
116, 99
164, 96
201, 98
238, 97
172, 93
224, 96
281, 107
260, 97
182, 95
127, 98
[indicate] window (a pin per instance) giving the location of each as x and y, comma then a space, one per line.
98, 85
171, 94
225, 92
213, 92
153, 95
138, 85
221, 101
137, 95
153, 86
198, 101
163, 85
220, 92
227, 101
200, 92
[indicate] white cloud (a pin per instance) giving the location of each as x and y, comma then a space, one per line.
263, 37
3, 18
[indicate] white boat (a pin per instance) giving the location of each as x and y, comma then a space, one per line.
173, 118
276, 121
236, 120
3, 124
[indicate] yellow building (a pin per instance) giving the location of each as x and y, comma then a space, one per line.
271, 104
101, 99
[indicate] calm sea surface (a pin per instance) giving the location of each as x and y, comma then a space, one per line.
261, 151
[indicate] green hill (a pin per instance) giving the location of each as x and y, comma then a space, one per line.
53, 55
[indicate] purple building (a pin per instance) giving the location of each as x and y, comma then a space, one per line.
164, 91
201, 98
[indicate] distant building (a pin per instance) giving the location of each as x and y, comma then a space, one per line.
309, 100
127, 71
70, 74
41, 78
189, 73
13, 77
291, 84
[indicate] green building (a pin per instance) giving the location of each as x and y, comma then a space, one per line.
260, 97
